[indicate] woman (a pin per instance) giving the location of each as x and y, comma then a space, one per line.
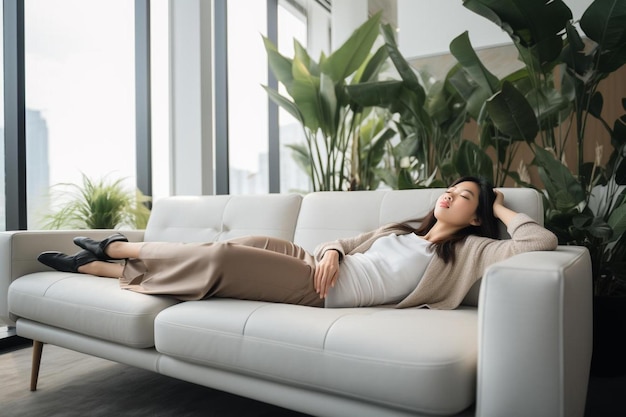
433, 265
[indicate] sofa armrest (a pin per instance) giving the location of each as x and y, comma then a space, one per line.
535, 335
19, 251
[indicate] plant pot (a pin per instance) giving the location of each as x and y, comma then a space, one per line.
609, 337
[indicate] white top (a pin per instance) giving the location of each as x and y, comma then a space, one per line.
385, 274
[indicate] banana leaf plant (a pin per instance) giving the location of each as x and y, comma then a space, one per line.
331, 120
370, 145
514, 110
592, 217
430, 119
554, 94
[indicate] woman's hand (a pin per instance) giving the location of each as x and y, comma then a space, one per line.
499, 201
326, 272
500, 211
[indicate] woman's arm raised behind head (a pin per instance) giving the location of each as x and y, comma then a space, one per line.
503, 213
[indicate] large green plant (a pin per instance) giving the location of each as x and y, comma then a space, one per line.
554, 94
429, 122
98, 204
330, 118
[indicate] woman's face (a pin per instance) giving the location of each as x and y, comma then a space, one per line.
457, 206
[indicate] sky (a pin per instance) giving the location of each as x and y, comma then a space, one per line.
80, 75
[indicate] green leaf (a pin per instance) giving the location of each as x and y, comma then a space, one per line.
405, 181
472, 160
604, 22
617, 221
526, 21
285, 103
610, 62
564, 191
512, 114
373, 150
301, 54
595, 106
329, 104
544, 54
620, 173
377, 93
305, 94
535, 26
547, 104
406, 147
405, 70
618, 137
595, 226
351, 55
573, 53
462, 50
374, 64
280, 65
387, 176
471, 93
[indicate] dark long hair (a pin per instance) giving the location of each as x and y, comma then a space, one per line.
488, 226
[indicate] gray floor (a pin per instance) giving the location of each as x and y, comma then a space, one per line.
74, 384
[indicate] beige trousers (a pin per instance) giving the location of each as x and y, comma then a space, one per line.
250, 268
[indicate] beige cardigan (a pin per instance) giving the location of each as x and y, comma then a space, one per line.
443, 286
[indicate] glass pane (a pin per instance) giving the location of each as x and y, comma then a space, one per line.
159, 61
80, 96
3, 223
292, 24
247, 101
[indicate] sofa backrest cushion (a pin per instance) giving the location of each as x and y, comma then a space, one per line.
326, 216
222, 217
309, 220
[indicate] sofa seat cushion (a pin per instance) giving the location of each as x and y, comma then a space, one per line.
414, 359
88, 305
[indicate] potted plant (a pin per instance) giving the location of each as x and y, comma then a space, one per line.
429, 122
331, 120
98, 204
554, 93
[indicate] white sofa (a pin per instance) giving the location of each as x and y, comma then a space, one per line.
524, 351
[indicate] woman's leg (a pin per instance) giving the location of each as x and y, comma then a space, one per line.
102, 269
115, 250
123, 250
264, 269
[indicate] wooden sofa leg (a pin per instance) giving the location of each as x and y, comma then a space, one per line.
34, 373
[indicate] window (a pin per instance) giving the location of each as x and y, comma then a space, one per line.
80, 118
292, 24
247, 101
3, 223
159, 56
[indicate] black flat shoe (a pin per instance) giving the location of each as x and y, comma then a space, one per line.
66, 263
98, 247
